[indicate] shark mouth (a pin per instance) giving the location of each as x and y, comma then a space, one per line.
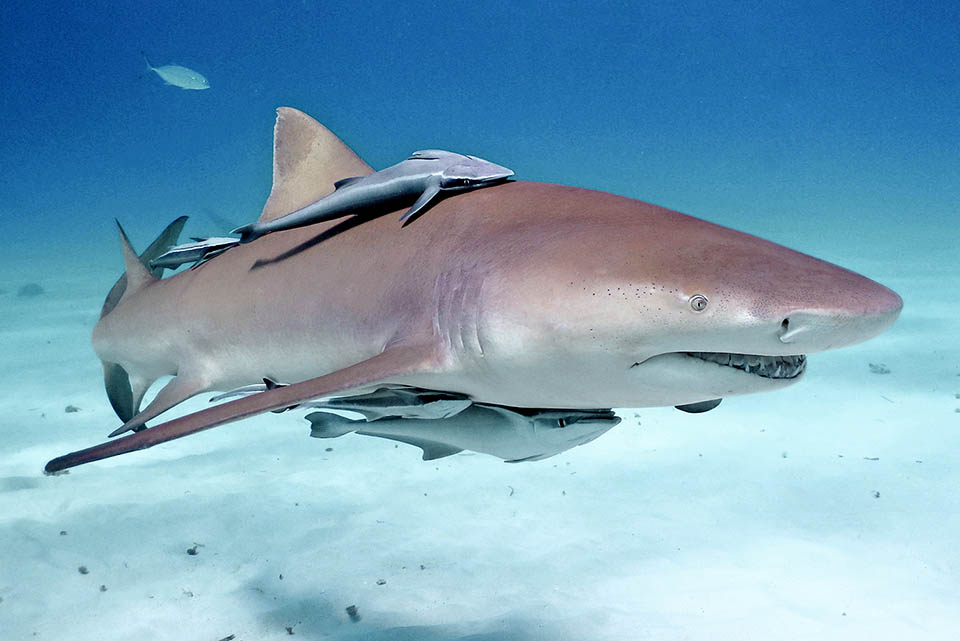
766, 366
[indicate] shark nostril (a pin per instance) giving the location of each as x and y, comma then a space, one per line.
787, 334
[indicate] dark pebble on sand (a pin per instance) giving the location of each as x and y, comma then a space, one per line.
192, 551
876, 494
63, 532
83, 570
103, 588
329, 449
352, 613
290, 630
70, 409
29, 290
381, 581
879, 368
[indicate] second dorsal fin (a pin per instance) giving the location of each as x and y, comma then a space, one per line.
308, 159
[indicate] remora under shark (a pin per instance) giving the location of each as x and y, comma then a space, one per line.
523, 294
418, 179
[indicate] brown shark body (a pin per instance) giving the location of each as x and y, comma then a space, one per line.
523, 294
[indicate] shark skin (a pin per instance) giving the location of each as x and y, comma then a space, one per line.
522, 294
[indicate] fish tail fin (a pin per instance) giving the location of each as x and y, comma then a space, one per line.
248, 233
147, 60
329, 425
125, 394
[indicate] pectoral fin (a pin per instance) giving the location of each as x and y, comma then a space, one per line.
429, 193
392, 362
179, 389
699, 408
432, 450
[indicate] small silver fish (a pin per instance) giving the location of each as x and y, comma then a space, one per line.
420, 179
178, 76
193, 252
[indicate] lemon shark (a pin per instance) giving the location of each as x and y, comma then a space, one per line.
522, 295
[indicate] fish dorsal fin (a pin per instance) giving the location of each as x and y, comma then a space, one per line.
308, 159
138, 276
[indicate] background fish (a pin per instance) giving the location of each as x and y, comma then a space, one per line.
178, 76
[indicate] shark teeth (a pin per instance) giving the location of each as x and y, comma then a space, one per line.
765, 366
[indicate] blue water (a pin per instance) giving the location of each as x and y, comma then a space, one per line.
830, 127
729, 112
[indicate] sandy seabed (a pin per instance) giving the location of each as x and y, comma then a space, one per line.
828, 510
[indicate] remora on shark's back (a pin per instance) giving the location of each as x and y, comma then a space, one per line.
419, 180
526, 295
178, 76
196, 251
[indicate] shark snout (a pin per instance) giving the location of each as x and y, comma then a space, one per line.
868, 313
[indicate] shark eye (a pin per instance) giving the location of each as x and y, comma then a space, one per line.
698, 302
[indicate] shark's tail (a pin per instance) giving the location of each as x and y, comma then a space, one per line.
124, 397
248, 233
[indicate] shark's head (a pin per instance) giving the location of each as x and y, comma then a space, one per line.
459, 172
643, 306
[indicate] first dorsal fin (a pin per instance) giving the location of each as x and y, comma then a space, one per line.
138, 276
308, 159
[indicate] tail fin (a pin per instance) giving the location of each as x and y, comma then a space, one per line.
124, 397
327, 425
147, 60
248, 233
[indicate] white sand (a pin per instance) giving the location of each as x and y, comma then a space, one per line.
758, 520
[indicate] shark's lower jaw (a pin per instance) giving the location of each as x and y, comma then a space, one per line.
775, 367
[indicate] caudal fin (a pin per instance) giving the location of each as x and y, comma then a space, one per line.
327, 425
125, 395
393, 362
248, 233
